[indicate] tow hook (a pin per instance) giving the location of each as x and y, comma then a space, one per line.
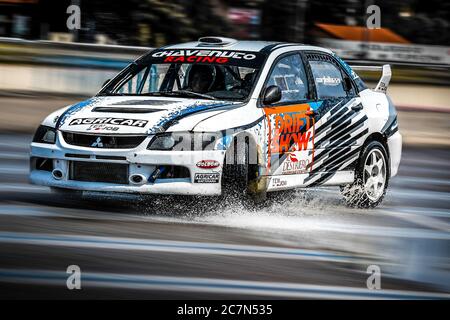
156, 174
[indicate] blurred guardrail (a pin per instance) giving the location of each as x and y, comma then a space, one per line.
14, 50
55, 67
81, 69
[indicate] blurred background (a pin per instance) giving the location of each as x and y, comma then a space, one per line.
40, 55
44, 65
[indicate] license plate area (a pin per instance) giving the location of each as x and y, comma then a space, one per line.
99, 172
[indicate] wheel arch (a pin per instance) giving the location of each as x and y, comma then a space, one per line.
249, 138
381, 138
377, 136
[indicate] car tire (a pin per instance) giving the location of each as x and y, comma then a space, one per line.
371, 177
235, 175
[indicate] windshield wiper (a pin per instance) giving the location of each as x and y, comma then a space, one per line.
189, 93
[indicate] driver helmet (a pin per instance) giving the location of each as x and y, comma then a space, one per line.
201, 78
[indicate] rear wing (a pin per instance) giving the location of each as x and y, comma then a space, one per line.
386, 75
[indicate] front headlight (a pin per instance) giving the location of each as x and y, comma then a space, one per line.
162, 142
185, 141
45, 134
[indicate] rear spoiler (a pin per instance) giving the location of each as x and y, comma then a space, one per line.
385, 76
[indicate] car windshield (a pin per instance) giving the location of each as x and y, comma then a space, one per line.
205, 74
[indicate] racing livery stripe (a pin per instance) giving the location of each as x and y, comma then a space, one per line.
343, 141
337, 117
343, 129
330, 109
174, 116
336, 163
325, 176
246, 126
74, 109
331, 162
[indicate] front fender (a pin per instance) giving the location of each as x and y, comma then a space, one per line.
53, 117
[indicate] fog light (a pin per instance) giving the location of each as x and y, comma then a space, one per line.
57, 174
137, 179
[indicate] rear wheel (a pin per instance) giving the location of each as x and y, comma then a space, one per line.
371, 180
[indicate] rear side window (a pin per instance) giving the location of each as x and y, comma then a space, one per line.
328, 79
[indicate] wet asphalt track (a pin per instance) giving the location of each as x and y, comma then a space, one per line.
303, 244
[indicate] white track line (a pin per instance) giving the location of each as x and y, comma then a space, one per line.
181, 247
220, 286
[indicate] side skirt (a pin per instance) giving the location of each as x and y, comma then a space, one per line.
285, 182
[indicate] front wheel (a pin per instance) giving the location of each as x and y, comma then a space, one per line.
371, 178
239, 177
235, 175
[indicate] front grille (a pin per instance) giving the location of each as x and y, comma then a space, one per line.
102, 141
74, 155
99, 172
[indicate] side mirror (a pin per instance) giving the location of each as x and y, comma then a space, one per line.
272, 94
106, 82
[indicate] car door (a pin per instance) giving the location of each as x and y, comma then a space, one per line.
339, 118
289, 123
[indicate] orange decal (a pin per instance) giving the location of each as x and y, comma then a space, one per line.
290, 130
284, 109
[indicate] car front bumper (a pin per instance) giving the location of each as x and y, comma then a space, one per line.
138, 161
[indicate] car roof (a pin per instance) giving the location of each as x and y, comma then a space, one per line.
244, 45
219, 43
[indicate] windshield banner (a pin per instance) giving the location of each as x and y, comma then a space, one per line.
237, 58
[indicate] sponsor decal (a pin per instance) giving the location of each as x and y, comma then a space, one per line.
207, 177
241, 58
290, 132
102, 127
208, 164
110, 121
328, 81
382, 87
293, 165
277, 182
202, 56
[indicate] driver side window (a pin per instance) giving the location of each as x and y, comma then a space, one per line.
289, 74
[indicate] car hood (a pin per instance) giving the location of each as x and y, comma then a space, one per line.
137, 115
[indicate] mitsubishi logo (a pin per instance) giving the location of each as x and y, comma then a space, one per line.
97, 143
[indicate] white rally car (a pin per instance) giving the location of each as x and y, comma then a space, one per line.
222, 116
